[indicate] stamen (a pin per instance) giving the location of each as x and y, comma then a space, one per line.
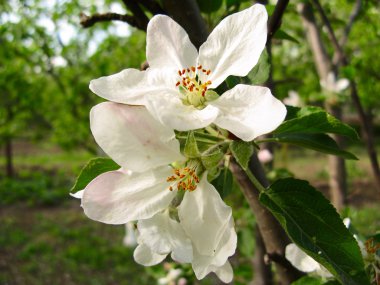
192, 86
186, 177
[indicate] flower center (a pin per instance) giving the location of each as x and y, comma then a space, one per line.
191, 87
187, 179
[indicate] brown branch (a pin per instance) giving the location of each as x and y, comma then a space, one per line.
137, 12
347, 29
188, 15
274, 236
330, 33
89, 21
274, 22
153, 6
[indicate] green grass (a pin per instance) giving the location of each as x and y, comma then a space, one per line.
62, 246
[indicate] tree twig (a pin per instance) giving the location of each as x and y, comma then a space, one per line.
330, 32
153, 6
188, 15
347, 29
89, 21
274, 22
137, 12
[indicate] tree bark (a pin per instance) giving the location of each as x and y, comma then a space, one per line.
187, 14
263, 272
274, 236
340, 59
337, 167
9, 158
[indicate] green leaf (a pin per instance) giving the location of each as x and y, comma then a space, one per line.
313, 120
191, 148
281, 35
224, 182
209, 6
232, 81
308, 280
318, 142
91, 170
315, 226
260, 73
242, 151
212, 159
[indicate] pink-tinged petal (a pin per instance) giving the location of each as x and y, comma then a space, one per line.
132, 137
145, 256
164, 235
170, 111
116, 198
249, 111
235, 45
204, 217
130, 85
168, 45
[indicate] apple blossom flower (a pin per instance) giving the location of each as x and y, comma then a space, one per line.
177, 88
157, 176
171, 277
303, 262
265, 156
293, 99
129, 239
334, 85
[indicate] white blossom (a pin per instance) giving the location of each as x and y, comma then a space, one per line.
177, 88
334, 85
204, 233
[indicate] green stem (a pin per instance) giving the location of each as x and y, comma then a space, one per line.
267, 140
254, 180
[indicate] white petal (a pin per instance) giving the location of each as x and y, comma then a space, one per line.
132, 137
145, 256
342, 84
225, 272
130, 239
170, 111
164, 235
204, 217
235, 45
78, 194
249, 111
204, 264
299, 259
116, 198
130, 85
168, 45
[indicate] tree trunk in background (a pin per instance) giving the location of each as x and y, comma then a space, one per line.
263, 272
367, 133
9, 158
337, 167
